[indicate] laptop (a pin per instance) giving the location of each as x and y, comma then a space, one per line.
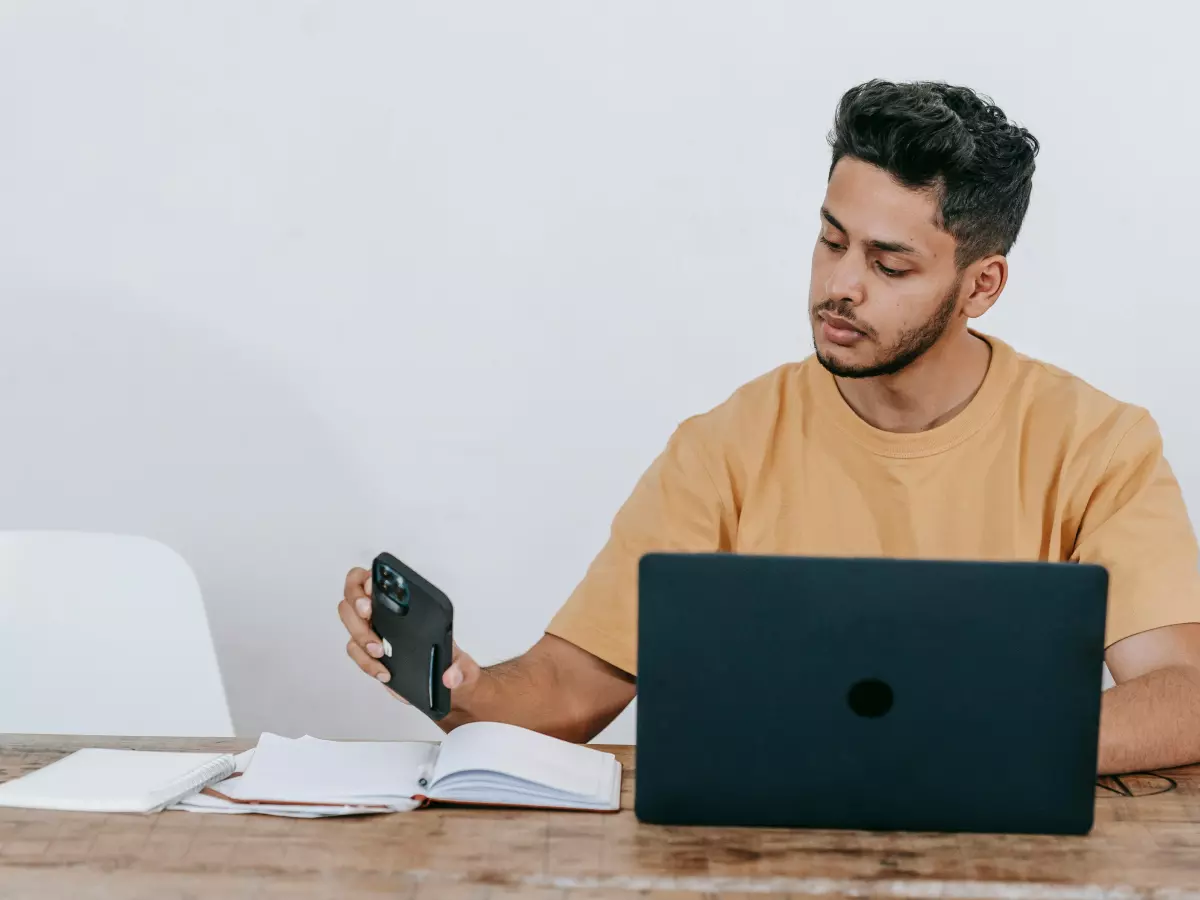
872, 694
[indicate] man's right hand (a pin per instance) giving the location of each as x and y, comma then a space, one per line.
366, 649
555, 687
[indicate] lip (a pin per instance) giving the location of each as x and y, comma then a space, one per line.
840, 324
841, 332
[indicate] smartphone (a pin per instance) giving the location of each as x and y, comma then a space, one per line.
415, 621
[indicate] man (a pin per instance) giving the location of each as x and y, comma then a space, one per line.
908, 434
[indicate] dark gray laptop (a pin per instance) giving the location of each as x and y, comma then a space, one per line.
869, 693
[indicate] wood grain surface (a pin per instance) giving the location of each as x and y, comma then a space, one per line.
1146, 844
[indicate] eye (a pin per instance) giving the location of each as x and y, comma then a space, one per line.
890, 273
830, 244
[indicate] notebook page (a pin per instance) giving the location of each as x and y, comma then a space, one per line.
562, 767
100, 780
490, 788
310, 770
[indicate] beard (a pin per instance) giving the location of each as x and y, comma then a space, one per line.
907, 349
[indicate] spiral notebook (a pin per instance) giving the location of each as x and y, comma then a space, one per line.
95, 780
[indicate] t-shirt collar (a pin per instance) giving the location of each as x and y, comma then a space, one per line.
983, 406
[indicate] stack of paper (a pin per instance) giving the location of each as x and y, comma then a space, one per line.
309, 778
97, 779
480, 763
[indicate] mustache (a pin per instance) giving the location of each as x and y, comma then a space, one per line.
843, 309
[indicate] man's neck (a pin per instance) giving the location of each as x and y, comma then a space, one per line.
930, 392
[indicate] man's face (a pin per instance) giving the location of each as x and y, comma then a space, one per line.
884, 281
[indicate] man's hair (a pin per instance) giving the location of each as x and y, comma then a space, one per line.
951, 141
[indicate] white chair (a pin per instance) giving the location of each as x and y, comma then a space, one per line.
104, 634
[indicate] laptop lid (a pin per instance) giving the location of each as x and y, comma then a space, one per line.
869, 693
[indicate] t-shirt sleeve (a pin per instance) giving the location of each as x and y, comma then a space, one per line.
675, 507
1136, 525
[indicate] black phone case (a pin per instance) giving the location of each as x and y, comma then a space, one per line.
419, 642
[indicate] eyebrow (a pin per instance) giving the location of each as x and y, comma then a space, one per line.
884, 246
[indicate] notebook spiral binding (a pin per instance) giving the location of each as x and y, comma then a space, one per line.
205, 775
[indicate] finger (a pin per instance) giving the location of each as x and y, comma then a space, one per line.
396, 696
372, 667
357, 590
359, 630
355, 579
462, 671
453, 676
362, 603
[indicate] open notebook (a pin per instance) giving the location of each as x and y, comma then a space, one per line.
96, 780
481, 763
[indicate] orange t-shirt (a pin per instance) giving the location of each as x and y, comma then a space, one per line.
1038, 466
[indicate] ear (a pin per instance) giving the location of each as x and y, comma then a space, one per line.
983, 282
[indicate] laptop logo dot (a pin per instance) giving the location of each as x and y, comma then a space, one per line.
870, 698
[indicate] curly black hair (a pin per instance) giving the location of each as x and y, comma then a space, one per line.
951, 140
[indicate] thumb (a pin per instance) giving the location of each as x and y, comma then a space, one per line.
462, 672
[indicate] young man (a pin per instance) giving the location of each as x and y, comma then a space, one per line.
907, 434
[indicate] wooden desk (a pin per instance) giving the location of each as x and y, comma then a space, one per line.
1144, 846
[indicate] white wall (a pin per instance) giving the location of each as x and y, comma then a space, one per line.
285, 284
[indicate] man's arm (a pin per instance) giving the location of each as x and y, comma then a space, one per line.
1151, 718
1134, 524
555, 688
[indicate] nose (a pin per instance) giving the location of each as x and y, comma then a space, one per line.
845, 281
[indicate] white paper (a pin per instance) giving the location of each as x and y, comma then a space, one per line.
101, 780
309, 770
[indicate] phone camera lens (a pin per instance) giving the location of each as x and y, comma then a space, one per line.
393, 584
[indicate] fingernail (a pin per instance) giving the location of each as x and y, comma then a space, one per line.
375, 650
384, 677
453, 677
367, 586
364, 606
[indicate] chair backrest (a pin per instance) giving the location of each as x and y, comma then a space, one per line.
104, 634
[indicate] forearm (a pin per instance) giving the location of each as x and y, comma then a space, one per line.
1151, 722
524, 691
569, 698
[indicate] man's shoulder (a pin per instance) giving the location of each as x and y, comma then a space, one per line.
748, 417
1049, 396
758, 400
